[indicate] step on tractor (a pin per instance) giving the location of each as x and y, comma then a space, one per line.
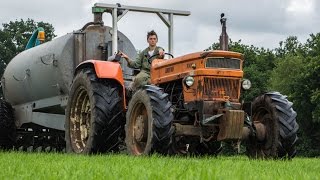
73, 93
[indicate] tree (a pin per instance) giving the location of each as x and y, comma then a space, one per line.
15, 35
290, 46
297, 75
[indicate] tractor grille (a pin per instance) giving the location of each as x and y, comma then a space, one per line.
229, 63
221, 87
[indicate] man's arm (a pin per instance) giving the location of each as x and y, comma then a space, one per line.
134, 64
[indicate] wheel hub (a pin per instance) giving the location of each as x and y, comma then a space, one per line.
139, 128
80, 115
265, 140
84, 122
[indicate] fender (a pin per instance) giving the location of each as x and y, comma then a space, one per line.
106, 70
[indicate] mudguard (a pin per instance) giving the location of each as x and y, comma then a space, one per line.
106, 70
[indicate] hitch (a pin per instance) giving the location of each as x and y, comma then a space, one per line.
257, 130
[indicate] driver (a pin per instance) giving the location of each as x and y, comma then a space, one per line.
142, 63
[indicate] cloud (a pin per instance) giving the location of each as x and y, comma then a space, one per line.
301, 7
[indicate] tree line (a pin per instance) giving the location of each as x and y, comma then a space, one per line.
293, 69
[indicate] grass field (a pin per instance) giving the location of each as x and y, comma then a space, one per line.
16, 165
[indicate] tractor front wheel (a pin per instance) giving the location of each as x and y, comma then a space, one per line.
149, 122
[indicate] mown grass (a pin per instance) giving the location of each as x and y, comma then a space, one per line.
18, 165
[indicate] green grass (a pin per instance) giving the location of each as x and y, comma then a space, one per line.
16, 165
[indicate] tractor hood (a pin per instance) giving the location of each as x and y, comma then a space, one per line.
159, 63
195, 64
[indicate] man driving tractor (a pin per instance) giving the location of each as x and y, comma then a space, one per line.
143, 60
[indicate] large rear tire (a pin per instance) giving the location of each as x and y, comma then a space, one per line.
94, 115
7, 126
149, 122
275, 112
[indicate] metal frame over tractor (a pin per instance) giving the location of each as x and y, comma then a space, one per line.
191, 106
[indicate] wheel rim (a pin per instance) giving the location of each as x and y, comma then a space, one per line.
80, 116
267, 148
139, 129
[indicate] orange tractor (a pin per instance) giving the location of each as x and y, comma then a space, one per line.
191, 106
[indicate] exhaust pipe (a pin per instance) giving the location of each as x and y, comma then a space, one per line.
224, 39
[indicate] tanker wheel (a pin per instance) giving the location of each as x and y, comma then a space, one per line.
94, 115
7, 126
275, 113
149, 122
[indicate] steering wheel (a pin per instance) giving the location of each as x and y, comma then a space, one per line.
149, 59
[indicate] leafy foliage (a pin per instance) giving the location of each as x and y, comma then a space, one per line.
15, 35
297, 75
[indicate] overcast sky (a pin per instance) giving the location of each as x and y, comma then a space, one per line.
262, 23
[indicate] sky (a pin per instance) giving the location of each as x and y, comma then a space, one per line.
262, 23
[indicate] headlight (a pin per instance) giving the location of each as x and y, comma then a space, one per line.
246, 84
189, 81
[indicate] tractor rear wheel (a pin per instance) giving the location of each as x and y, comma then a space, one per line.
149, 122
7, 126
275, 113
94, 115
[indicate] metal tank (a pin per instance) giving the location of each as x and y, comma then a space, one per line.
36, 82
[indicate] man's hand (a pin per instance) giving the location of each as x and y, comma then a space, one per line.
161, 53
123, 55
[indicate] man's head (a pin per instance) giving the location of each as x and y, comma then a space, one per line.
152, 38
